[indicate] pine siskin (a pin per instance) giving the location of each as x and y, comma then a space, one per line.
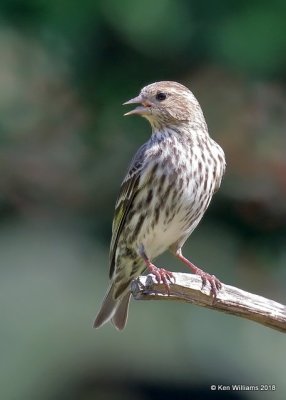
167, 189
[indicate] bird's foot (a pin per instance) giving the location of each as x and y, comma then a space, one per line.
215, 283
162, 275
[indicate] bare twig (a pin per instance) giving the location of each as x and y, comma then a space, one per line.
188, 288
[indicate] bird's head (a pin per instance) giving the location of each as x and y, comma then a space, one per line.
166, 102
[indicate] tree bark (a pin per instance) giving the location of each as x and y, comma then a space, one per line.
188, 288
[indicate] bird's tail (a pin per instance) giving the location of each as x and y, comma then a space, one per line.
114, 310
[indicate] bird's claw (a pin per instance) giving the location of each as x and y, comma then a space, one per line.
215, 283
162, 275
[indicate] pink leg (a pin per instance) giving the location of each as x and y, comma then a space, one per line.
161, 274
213, 281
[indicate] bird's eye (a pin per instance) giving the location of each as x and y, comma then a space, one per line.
160, 96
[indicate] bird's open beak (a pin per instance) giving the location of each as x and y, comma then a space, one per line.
143, 109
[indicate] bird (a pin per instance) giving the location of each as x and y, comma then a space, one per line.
167, 188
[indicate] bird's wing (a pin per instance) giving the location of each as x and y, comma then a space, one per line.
129, 189
223, 167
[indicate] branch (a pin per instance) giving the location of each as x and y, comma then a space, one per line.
188, 288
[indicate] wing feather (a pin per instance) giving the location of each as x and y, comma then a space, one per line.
130, 187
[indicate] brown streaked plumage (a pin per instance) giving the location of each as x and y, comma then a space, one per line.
167, 189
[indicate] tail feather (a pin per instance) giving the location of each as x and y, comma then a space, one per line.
120, 317
114, 310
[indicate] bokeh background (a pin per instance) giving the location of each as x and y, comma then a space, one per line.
65, 69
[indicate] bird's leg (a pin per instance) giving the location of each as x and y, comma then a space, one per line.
161, 274
206, 277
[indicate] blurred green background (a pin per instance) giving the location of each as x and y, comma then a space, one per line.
65, 69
